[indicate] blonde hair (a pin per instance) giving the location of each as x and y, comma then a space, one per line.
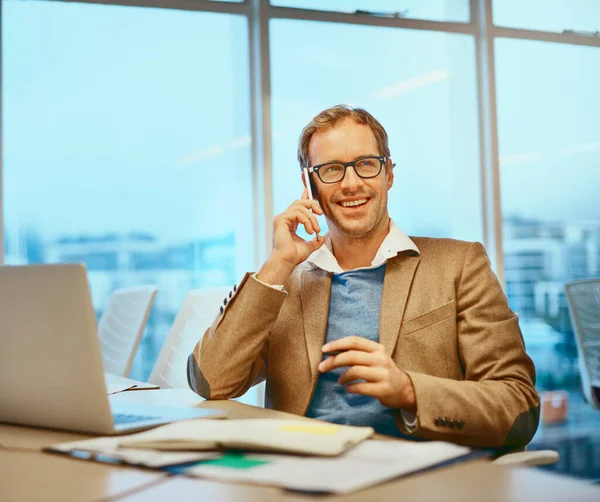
332, 116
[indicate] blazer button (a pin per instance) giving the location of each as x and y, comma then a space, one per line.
225, 301
222, 310
234, 288
230, 294
437, 421
452, 424
460, 424
443, 421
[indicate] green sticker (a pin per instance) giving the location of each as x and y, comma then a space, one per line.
234, 461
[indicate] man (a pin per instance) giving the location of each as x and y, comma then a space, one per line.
366, 326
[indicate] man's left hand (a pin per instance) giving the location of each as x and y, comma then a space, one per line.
369, 361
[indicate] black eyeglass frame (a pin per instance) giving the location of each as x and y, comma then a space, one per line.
380, 158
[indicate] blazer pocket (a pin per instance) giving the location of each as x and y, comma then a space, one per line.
436, 315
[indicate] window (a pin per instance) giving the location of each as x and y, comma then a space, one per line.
127, 147
549, 144
548, 15
435, 10
419, 84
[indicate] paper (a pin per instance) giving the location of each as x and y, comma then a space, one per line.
109, 446
311, 429
289, 436
116, 383
116, 387
371, 462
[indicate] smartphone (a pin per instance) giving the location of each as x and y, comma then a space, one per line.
333, 352
308, 187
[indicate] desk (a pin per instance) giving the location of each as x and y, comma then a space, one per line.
37, 476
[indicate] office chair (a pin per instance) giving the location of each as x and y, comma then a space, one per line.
121, 327
583, 299
199, 309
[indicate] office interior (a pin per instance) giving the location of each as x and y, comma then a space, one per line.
154, 141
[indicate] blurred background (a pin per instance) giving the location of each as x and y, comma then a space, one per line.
154, 140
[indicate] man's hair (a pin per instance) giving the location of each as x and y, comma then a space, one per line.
332, 116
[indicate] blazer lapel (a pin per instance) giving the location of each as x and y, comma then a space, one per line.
314, 294
399, 274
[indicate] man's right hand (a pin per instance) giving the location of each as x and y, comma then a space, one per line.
289, 250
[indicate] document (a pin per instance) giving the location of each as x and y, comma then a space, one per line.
108, 447
116, 383
113, 388
366, 464
265, 435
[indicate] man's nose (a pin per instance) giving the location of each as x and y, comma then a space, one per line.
351, 180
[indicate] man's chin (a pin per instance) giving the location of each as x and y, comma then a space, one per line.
356, 230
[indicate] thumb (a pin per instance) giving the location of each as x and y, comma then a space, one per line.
317, 243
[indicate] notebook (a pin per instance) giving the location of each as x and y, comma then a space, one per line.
51, 370
266, 435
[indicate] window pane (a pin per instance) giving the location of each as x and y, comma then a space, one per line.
548, 15
435, 10
127, 146
424, 95
549, 157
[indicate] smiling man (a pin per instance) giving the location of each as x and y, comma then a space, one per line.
366, 326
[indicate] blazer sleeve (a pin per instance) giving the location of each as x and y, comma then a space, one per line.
232, 354
496, 404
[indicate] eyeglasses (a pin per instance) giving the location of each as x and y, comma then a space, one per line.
334, 172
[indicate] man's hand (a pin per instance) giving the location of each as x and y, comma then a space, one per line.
289, 249
370, 361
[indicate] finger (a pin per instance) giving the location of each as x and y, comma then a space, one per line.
365, 389
317, 242
305, 220
347, 358
353, 343
313, 219
369, 373
308, 204
304, 194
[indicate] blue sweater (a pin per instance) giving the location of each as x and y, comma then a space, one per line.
354, 308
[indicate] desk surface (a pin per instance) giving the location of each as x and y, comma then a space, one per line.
33, 475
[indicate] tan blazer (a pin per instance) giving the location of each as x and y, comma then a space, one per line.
444, 320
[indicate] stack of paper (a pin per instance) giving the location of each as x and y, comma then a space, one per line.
267, 435
368, 463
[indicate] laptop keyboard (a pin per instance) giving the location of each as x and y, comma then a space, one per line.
126, 418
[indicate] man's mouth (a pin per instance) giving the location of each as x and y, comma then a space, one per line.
353, 203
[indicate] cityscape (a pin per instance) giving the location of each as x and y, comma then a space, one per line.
539, 258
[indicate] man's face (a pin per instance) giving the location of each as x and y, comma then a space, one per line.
346, 142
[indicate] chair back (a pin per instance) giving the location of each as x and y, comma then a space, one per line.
121, 327
583, 298
199, 310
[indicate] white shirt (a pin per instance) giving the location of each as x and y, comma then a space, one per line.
395, 242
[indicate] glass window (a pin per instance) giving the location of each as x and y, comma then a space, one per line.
420, 85
127, 147
435, 10
549, 146
548, 15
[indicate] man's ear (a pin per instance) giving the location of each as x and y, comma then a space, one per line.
389, 169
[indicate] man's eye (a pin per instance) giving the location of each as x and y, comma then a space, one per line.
332, 168
366, 163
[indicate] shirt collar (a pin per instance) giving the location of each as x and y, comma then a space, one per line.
395, 242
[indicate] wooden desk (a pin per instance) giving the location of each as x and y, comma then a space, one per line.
45, 477
28, 475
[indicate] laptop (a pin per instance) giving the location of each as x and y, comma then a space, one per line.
51, 370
